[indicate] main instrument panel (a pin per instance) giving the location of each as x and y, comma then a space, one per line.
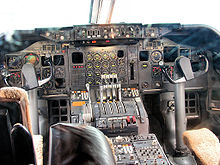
81, 54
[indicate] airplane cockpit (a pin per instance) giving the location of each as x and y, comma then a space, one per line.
124, 93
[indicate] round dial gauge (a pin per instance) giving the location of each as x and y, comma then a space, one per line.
105, 56
121, 62
14, 62
105, 64
89, 73
59, 72
97, 80
89, 80
31, 58
105, 72
156, 56
113, 65
113, 56
97, 57
89, 57
97, 65
97, 72
46, 73
114, 72
15, 79
89, 65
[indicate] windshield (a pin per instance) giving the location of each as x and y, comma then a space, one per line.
29, 14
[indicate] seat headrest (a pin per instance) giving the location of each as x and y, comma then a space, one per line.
78, 144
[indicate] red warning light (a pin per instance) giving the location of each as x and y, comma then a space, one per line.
107, 41
93, 42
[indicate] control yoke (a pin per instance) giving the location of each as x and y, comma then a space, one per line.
184, 70
31, 82
30, 76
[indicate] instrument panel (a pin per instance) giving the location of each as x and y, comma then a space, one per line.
110, 77
103, 63
81, 54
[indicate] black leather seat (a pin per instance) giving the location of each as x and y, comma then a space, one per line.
81, 145
16, 146
7, 155
23, 145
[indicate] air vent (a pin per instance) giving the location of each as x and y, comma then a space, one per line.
192, 106
58, 111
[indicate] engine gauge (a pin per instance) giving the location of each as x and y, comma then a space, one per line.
114, 72
105, 72
113, 65
31, 58
89, 57
117, 32
105, 56
113, 56
156, 56
121, 62
97, 81
97, 72
97, 65
89, 74
97, 57
105, 64
89, 80
89, 65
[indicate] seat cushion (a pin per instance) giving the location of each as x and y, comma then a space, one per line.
38, 147
204, 144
